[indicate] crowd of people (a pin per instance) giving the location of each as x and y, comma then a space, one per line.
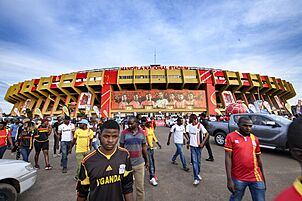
106, 171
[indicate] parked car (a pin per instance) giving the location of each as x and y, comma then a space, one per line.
171, 121
270, 129
16, 176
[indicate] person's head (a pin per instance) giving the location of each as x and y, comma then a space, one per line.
245, 125
135, 97
160, 95
109, 134
44, 122
294, 139
2, 125
139, 116
190, 96
171, 97
132, 123
84, 124
26, 122
193, 118
179, 121
149, 97
59, 118
124, 97
93, 120
180, 97
148, 123
203, 115
66, 120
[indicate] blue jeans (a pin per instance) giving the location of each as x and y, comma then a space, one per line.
180, 152
257, 190
2, 151
65, 147
196, 156
151, 163
25, 151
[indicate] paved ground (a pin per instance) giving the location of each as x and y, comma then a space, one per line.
174, 184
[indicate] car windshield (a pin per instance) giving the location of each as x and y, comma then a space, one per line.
281, 119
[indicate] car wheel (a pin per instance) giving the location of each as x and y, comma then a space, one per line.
219, 138
8, 192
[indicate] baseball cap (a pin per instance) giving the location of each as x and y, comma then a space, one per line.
26, 120
84, 121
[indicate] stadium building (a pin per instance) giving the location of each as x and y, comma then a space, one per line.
147, 89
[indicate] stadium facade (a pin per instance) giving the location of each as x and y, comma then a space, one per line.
147, 89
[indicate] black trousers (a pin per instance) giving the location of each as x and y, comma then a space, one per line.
208, 146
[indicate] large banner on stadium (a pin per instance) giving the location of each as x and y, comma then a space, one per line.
158, 99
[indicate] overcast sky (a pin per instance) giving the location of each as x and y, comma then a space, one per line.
43, 38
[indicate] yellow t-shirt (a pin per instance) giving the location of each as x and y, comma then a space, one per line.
83, 138
150, 137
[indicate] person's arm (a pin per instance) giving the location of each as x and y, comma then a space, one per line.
204, 140
122, 140
228, 168
168, 142
9, 139
74, 141
83, 184
260, 166
127, 181
258, 153
145, 155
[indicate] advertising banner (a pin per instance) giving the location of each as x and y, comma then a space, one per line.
85, 99
158, 99
228, 98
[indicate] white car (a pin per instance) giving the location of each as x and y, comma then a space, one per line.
16, 176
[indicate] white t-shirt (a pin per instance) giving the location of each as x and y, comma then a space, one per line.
194, 132
66, 131
178, 133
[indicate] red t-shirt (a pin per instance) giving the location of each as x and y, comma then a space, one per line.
3, 137
244, 161
293, 193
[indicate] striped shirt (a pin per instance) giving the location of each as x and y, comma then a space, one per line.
134, 142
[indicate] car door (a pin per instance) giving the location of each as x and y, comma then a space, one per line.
267, 134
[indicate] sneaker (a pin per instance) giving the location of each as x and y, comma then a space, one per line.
153, 182
174, 163
199, 177
210, 159
196, 182
64, 170
186, 169
48, 167
37, 167
59, 154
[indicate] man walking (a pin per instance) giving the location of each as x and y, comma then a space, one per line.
205, 124
42, 143
198, 136
82, 138
178, 131
243, 163
150, 138
106, 172
65, 132
134, 140
56, 136
4, 138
